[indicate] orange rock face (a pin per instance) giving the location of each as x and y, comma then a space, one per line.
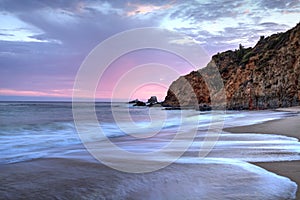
265, 76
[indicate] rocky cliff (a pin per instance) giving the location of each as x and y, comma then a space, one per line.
265, 76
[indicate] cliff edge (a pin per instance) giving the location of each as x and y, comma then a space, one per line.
262, 77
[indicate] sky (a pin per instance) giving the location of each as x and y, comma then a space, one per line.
44, 43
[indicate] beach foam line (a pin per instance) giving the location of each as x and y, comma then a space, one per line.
290, 109
212, 178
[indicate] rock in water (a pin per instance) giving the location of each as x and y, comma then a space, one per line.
134, 101
152, 100
265, 76
140, 103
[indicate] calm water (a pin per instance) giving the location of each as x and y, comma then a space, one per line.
30, 130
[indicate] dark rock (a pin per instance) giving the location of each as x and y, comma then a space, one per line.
173, 108
139, 103
133, 101
204, 108
152, 100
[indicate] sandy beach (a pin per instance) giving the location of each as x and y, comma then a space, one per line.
79, 176
76, 179
288, 127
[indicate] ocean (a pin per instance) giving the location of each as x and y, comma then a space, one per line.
150, 145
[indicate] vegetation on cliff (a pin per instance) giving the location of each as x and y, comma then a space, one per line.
265, 76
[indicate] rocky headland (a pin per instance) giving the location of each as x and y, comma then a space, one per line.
263, 77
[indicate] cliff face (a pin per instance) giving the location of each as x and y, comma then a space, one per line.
265, 76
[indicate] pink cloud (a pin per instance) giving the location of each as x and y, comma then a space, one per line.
146, 8
51, 93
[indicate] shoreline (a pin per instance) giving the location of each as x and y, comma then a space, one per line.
62, 178
288, 127
78, 175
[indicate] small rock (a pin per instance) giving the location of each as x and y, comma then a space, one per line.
133, 101
139, 103
152, 100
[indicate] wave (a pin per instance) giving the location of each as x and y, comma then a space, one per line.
38, 132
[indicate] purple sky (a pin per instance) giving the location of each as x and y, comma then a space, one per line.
43, 43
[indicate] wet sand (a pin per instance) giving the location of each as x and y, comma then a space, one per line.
288, 127
61, 178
